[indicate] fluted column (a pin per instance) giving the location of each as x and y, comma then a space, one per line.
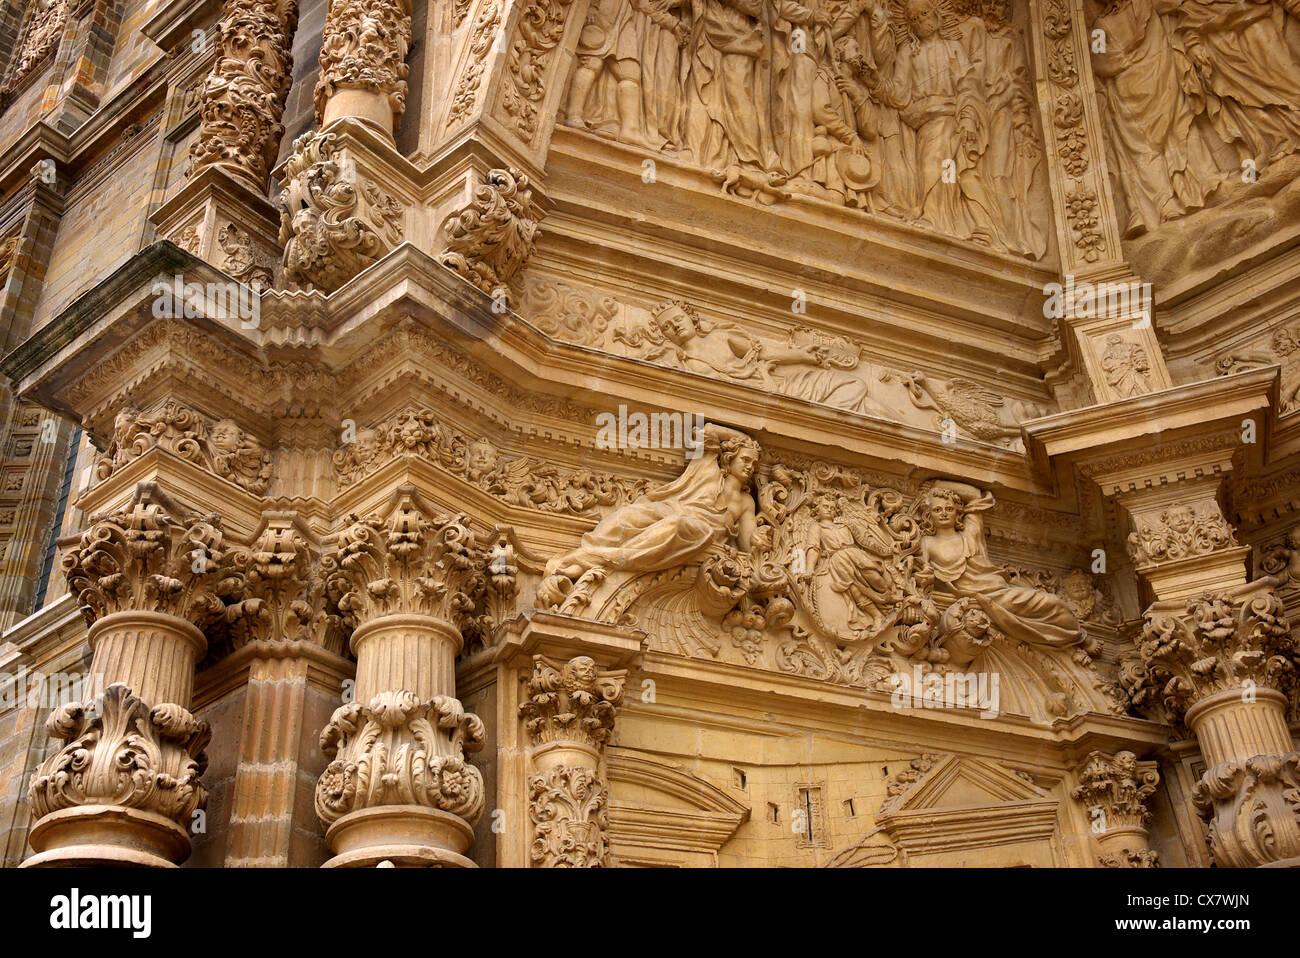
242, 100
569, 710
363, 62
1115, 789
1221, 662
124, 786
400, 788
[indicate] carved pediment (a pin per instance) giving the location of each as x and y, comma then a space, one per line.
661, 813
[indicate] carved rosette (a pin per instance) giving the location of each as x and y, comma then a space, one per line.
333, 222
489, 241
1227, 668
568, 712
242, 99
398, 750
364, 49
1116, 790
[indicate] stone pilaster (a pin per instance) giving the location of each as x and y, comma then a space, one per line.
1116, 789
400, 788
363, 62
572, 675
124, 786
1224, 663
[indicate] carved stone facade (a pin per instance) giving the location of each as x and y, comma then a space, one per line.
605, 433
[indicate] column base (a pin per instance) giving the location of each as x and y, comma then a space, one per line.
107, 836
408, 836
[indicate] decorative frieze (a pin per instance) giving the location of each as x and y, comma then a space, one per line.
220, 446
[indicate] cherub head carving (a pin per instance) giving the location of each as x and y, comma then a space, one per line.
579, 674
942, 510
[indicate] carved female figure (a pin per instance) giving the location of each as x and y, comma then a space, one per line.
851, 586
674, 525
953, 550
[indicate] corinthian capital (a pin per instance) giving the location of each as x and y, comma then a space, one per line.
242, 99
149, 558
333, 221
1116, 789
1218, 642
572, 702
121, 751
397, 750
283, 586
489, 241
364, 48
413, 560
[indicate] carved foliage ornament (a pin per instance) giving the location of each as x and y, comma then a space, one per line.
1253, 809
397, 750
221, 447
1180, 531
281, 579
242, 99
41, 34
1218, 644
364, 47
333, 222
141, 558
569, 808
465, 99
415, 561
519, 481
489, 241
572, 701
1119, 785
121, 751
541, 27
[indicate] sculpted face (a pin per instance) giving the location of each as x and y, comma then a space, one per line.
365, 445
824, 508
581, 672
943, 512
743, 463
677, 324
1179, 518
482, 458
923, 18
225, 436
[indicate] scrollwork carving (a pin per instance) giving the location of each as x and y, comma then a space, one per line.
489, 241
573, 701
364, 47
568, 806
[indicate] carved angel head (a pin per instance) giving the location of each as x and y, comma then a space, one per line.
482, 459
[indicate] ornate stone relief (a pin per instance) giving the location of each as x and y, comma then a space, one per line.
1284, 346
922, 111
519, 481
541, 27
486, 26
41, 33
333, 221
242, 99
221, 447
816, 367
398, 750
144, 558
1116, 790
124, 752
283, 586
489, 241
1198, 104
241, 259
1180, 531
1253, 809
569, 313
364, 47
569, 710
826, 578
1126, 366
1220, 643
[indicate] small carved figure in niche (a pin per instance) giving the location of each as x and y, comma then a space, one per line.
709, 504
846, 566
1126, 366
953, 549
